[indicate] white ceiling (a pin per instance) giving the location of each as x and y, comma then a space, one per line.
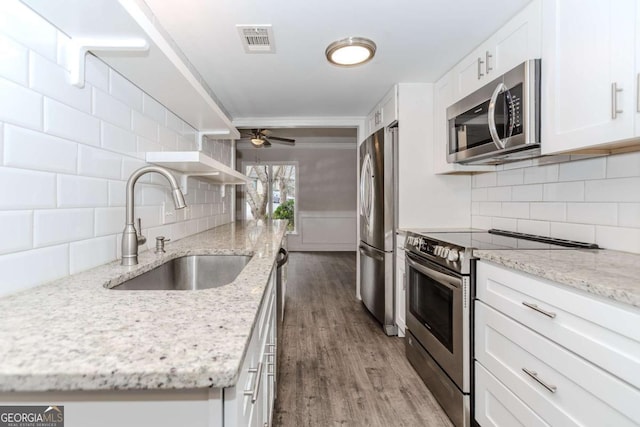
418, 40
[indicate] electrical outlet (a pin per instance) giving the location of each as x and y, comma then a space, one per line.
168, 213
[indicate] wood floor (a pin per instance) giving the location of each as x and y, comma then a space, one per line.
338, 367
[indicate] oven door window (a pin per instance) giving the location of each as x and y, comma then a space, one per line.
431, 303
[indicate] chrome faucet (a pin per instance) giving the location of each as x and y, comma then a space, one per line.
130, 237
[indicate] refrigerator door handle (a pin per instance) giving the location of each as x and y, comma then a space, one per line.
365, 250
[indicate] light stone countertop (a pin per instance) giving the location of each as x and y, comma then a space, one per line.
610, 274
74, 334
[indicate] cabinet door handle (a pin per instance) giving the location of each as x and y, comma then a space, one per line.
534, 375
480, 62
614, 100
487, 67
532, 306
253, 392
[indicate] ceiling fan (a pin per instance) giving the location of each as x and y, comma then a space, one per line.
263, 138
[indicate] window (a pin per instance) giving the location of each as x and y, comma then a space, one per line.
272, 192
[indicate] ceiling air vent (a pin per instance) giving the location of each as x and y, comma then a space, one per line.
257, 38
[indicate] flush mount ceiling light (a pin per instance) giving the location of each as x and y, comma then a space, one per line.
351, 51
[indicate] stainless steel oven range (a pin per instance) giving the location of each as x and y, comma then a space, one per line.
440, 275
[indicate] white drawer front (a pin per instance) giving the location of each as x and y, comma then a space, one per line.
496, 406
583, 394
603, 332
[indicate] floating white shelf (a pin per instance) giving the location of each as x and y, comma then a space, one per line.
196, 164
124, 34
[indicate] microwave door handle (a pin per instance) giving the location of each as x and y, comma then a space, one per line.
493, 130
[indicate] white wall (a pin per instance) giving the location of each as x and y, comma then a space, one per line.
425, 199
327, 185
595, 200
65, 155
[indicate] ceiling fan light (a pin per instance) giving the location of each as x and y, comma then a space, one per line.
351, 51
257, 141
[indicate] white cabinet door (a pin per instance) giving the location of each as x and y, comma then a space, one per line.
587, 73
389, 107
517, 41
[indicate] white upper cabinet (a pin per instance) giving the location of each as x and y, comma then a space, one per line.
511, 45
588, 86
384, 113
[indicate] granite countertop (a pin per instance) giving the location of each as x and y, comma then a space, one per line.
610, 274
75, 334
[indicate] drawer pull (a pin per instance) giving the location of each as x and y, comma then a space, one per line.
253, 392
539, 310
534, 375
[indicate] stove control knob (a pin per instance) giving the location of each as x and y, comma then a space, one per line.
437, 250
454, 255
445, 253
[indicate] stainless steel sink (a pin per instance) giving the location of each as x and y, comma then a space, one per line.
189, 273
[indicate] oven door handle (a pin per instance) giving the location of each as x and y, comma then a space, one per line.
448, 280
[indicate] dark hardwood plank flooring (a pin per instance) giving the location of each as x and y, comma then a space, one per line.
338, 368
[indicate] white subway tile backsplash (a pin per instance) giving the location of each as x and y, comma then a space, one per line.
486, 208
25, 189
549, 211
117, 193
153, 194
69, 123
477, 194
111, 110
475, 208
117, 139
583, 170
618, 238
540, 228
77, 191
96, 72
20, 23
153, 109
515, 210
130, 165
34, 150
593, 213
511, 177
144, 126
109, 221
623, 165
168, 139
146, 145
541, 174
52, 80
564, 192
629, 215
185, 144
91, 253
173, 122
570, 231
16, 231
124, 90
14, 61
56, 226
527, 193
20, 105
98, 163
498, 194
613, 190
508, 224
18, 272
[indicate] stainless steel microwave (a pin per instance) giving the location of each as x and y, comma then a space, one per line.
499, 122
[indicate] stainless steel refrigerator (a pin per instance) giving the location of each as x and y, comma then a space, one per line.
377, 226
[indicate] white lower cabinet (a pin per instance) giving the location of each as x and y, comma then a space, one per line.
550, 355
401, 286
250, 402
